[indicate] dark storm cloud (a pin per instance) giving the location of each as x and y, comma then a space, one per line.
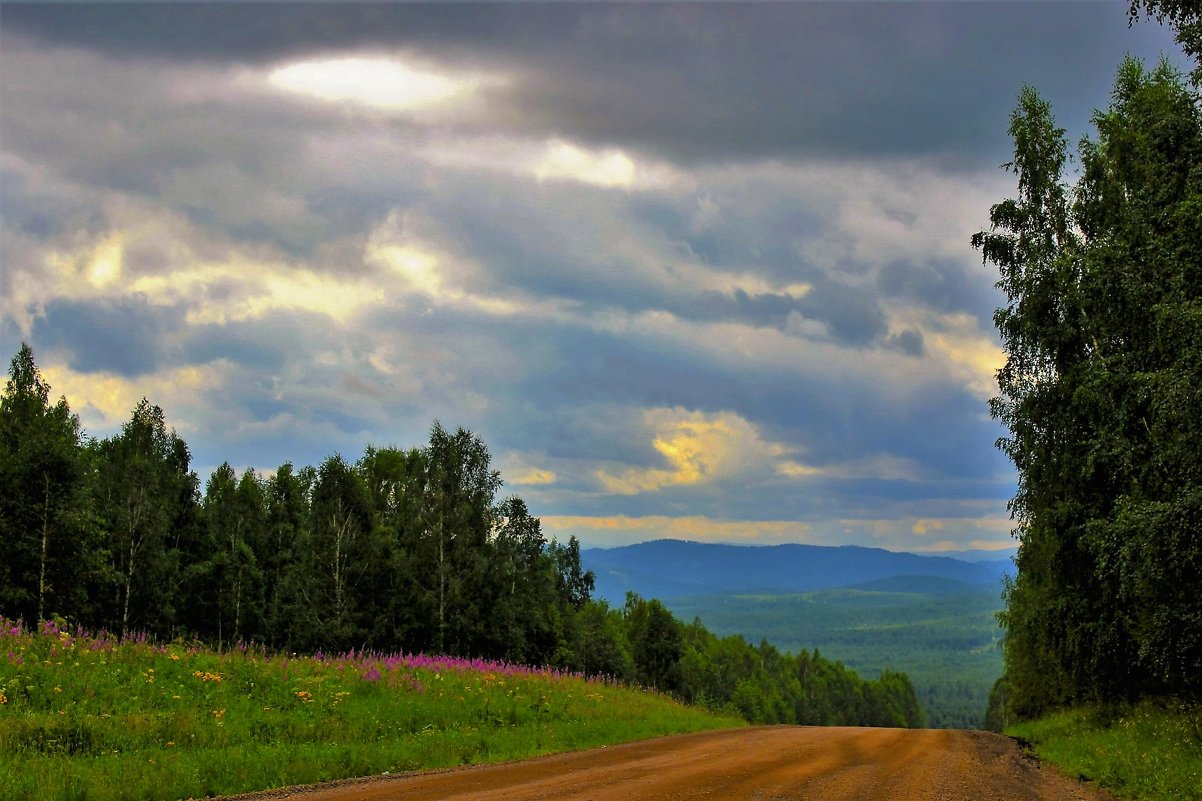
258, 33
126, 336
699, 81
760, 310
853, 314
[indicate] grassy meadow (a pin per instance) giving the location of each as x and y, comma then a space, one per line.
1148, 752
86, 716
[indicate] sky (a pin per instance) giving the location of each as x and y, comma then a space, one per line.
695, 271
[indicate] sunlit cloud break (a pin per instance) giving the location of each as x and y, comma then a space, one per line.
380, 83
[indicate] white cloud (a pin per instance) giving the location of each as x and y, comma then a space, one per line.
555, 160
380, 83
608, 168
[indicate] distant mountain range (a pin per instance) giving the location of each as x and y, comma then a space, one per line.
667, 569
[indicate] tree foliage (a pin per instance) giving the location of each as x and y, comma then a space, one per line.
403, 550
1186, 18
43, 517
1102, 395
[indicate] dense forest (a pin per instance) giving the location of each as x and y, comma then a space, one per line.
1102, 394
402, 550
945, 644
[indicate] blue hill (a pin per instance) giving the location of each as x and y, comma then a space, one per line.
673, 568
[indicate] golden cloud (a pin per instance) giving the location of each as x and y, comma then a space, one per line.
696, 448
532, 477
692, 527
104, 400
610, 168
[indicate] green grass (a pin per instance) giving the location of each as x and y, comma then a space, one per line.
1149, 752
88, 717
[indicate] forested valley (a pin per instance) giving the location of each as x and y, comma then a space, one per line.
403, 550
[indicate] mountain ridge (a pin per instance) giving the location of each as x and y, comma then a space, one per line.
668, 568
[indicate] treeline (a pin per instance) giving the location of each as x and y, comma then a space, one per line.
645, 643
767, 686
401, 550
1102, 394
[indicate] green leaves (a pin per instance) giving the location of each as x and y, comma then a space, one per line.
44, 524
1101, 393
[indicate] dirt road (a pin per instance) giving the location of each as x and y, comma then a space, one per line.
779, 762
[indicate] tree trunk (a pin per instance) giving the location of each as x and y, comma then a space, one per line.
442, 591
45, 548
238, 605
129, 582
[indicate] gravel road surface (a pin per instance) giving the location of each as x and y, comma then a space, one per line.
775, 762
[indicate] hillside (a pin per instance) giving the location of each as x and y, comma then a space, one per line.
91, 716
930, 617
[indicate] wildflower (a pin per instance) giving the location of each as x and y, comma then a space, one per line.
58, 690
170, 743
207, 676
305, 696
219, 713
3, 698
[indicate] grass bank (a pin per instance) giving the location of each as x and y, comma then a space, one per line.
1149, 752
92, 717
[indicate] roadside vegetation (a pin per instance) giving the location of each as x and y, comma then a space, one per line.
100, 717
1102, 394
1145, 752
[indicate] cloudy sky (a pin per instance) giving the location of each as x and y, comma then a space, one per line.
698, 271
